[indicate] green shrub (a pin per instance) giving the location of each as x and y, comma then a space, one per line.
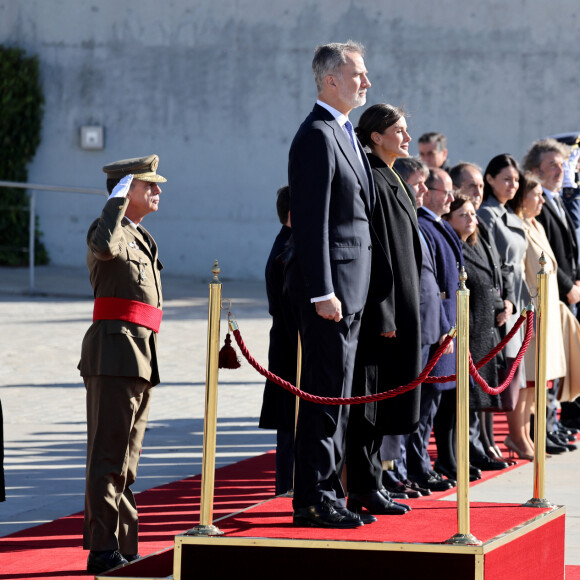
22, 107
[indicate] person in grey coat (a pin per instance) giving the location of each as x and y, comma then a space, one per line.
501, 182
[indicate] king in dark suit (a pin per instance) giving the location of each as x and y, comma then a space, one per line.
331, 201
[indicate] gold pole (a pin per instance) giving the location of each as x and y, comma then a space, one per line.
463, 536
539, 499
290, 492
205, 527
298, 375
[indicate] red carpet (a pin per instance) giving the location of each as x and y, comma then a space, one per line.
430, 521
54, 550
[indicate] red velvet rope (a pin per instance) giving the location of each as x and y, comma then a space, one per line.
500, 388
422, 378
338, 400
493, 352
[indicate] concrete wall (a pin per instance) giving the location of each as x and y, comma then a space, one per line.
218, 89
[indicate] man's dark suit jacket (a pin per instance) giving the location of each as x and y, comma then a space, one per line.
330, 214
433, 325
561, 234
448, 256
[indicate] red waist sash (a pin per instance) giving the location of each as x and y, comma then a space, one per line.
129, 310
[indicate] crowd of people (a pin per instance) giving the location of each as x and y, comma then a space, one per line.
362, 278
365, 271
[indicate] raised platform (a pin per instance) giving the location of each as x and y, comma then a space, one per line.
260, 542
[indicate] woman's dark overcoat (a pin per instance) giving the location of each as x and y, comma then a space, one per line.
485, 302
385, 363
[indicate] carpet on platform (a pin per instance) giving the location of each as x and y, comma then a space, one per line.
54, 549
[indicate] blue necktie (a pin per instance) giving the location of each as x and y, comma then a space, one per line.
350, 132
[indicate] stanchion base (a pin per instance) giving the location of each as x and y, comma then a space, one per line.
464, 540
200, 530
538, 503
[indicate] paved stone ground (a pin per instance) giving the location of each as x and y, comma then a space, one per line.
43, 399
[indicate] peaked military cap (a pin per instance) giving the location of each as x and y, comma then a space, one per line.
143, 168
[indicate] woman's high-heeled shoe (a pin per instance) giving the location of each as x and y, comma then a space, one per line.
494, 452
513, 448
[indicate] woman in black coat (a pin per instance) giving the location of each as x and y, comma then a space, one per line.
485, 301
389, 348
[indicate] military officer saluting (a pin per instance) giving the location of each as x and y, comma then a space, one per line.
119, 357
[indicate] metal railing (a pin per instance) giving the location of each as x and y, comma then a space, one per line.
32, 189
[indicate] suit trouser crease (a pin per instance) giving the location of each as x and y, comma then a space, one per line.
364, 466
117, 412
328, 354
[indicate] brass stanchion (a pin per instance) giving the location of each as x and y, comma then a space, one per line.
205, 527
539, 499
463, 535
290, 493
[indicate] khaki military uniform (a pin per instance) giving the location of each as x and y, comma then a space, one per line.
119, 367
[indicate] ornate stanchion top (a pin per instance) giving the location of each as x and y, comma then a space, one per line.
543, 263
462, 278
216, 272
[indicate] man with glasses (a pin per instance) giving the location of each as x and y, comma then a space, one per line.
447, 252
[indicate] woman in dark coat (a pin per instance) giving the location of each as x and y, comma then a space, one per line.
389, 348
485, 301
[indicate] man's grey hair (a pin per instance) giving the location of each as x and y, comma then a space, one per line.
457, 172
438, 138
328, 58
533, 157
406, 166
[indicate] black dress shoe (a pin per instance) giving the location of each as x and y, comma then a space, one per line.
400, 491
365, 518
323, 515
437, 475
98, 562
132, 557
559, 439
416, 487
433, 483
390, 497
568, 434
486, 464
447, 472
376, 503
554, 448
451, 474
